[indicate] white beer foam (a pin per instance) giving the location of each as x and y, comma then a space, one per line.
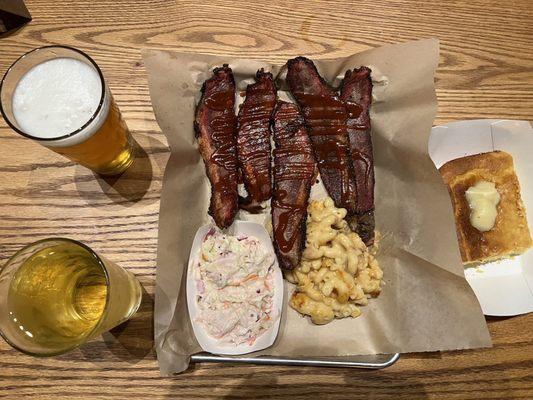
56, 98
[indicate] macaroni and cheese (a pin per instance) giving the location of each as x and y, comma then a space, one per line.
337, 272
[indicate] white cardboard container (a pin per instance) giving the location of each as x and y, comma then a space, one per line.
209, 343
503, 288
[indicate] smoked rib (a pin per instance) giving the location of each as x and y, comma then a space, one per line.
294, 172
325, 118
215, 125
253, 140
356, 92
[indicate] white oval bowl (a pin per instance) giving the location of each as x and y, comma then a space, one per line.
209, 343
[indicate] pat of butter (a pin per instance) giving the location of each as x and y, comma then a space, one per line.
483, 198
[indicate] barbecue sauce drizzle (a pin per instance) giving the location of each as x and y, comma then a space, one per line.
294, 172
214, 125
223, 131
253, 141
326, 116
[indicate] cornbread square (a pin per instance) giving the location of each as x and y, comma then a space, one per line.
510, 234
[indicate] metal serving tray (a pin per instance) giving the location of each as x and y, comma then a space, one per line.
378, 361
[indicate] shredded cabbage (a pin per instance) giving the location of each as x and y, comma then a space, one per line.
235, 287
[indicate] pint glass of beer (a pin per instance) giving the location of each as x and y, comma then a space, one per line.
58, 293
57, 96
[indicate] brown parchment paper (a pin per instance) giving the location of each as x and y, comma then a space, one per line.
426, 304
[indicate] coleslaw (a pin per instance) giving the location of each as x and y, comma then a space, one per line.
235, 287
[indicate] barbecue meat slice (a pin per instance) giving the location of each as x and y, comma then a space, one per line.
325, 117
214, 126
294, 172
356, 92
253, 140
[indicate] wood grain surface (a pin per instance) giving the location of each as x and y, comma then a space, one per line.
486, 71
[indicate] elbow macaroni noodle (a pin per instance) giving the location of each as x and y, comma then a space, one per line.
337, 272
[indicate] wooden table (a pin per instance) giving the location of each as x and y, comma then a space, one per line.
486, 71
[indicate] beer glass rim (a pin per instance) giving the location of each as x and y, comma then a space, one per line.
104, 312
86, 124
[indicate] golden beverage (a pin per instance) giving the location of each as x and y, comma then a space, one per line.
58, 296
57, 96
109, 151
61, 294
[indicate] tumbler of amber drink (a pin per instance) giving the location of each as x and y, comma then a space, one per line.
57, 96
58, 293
